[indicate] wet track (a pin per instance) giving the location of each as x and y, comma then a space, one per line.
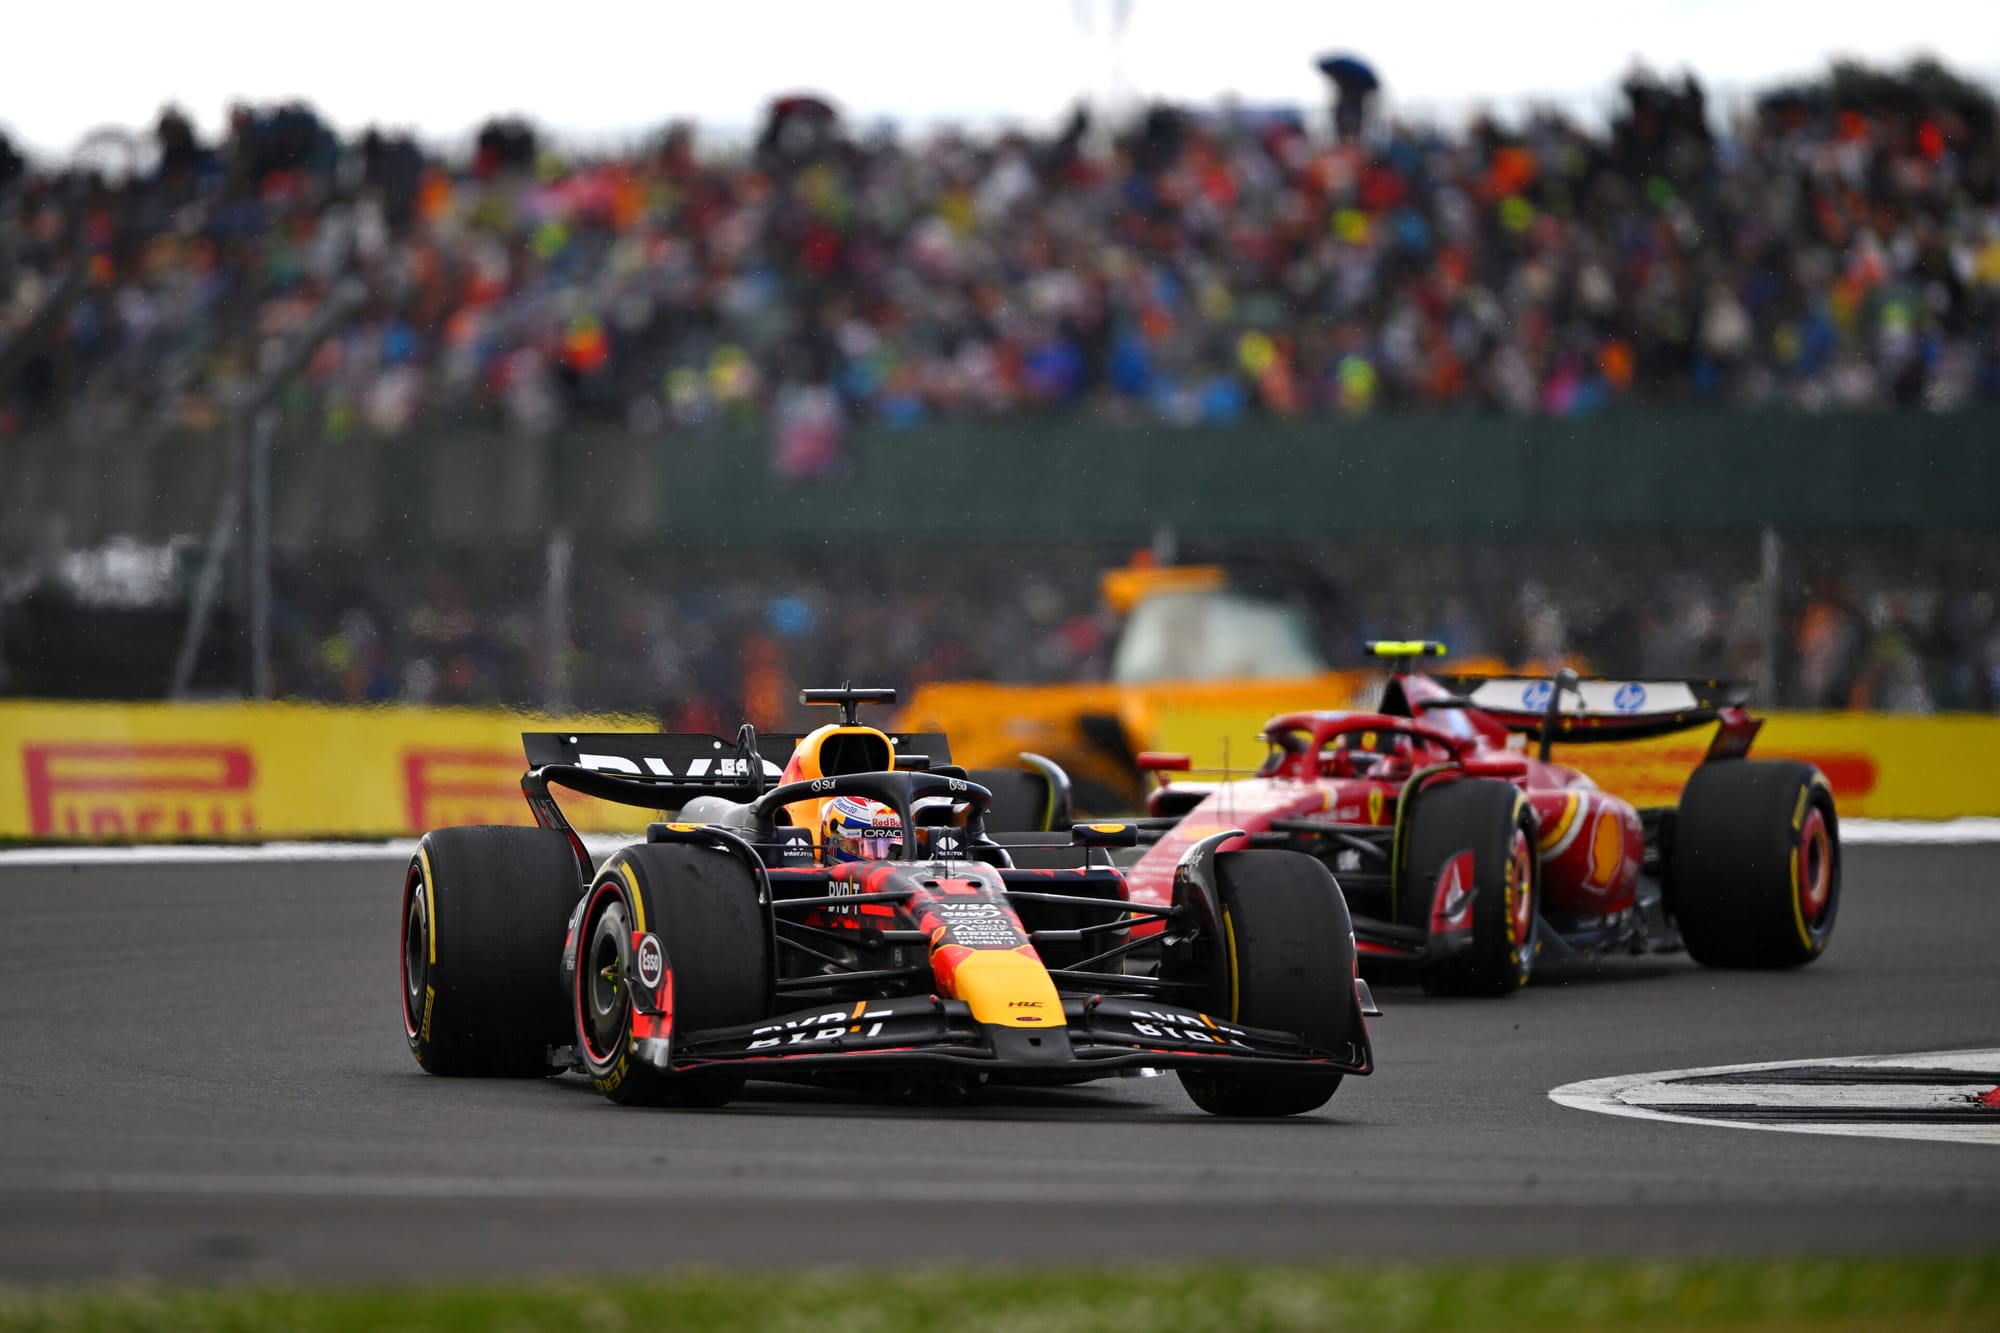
202, 1075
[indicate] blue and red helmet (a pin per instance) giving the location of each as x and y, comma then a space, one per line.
855, 828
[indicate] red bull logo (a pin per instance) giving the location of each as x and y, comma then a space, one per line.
108, 789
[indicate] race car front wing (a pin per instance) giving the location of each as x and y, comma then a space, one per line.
1101, 1035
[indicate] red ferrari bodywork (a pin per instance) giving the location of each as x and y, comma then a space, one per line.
1332, 777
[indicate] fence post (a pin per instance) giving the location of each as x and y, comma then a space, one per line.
1770, 597
555, 622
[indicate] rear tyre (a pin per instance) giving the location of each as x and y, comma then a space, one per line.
484, 914
1755, 874
1493, 821
1286, 962
702, 904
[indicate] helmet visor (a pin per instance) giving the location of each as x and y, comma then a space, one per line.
869, 847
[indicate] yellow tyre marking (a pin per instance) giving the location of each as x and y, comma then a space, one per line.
638, 906
430, 901
1799, 812
1235, 993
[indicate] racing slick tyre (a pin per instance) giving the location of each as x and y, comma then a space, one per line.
713, 965
1287, 962
1493, 821
1754, 879
484, 913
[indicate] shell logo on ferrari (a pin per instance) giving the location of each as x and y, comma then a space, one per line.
1607, 849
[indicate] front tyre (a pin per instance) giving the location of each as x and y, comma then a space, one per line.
1286, 961
1491, 823
702, 905
485, 909
1755, 875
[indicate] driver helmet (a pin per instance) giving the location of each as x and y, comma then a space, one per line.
1356, 754
858, 829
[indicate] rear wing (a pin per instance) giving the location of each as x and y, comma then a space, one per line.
666, 770
682, 765
1598, 710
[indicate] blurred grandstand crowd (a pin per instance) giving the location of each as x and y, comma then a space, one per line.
1884, 625
1836, 247
1884, 632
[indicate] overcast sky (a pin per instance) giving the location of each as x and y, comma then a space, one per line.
608, 72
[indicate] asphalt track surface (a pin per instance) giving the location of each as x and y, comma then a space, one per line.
203, 1077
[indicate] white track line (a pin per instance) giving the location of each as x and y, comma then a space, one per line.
1966, 830
398, 849
1969, 831
1668, 1095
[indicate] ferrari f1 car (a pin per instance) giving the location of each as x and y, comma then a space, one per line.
1462, 854
848, 918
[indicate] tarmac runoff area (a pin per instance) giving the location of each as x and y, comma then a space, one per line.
203, 1077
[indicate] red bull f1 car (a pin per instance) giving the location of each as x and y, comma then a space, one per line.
847, 918
1461, 853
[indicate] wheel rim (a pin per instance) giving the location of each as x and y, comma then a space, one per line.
416, 953
603, 1003
1815, 869
1520, 890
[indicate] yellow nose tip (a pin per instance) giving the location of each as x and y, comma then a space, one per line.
1008, 988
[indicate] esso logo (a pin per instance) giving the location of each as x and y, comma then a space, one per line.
1536, 697
652, 962
1631, 697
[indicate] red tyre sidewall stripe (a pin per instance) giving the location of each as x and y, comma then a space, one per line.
1815, 869
411, 884
586, 928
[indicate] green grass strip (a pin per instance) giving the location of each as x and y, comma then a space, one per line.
1882, 1296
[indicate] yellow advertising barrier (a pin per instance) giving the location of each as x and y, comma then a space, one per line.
119, 772
1881, 766
134, 772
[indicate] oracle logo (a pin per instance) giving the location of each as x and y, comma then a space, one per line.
108, 789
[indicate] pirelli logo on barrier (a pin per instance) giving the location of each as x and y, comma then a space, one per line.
129, 772
462, 786
113, 791
97, 789
134, 772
